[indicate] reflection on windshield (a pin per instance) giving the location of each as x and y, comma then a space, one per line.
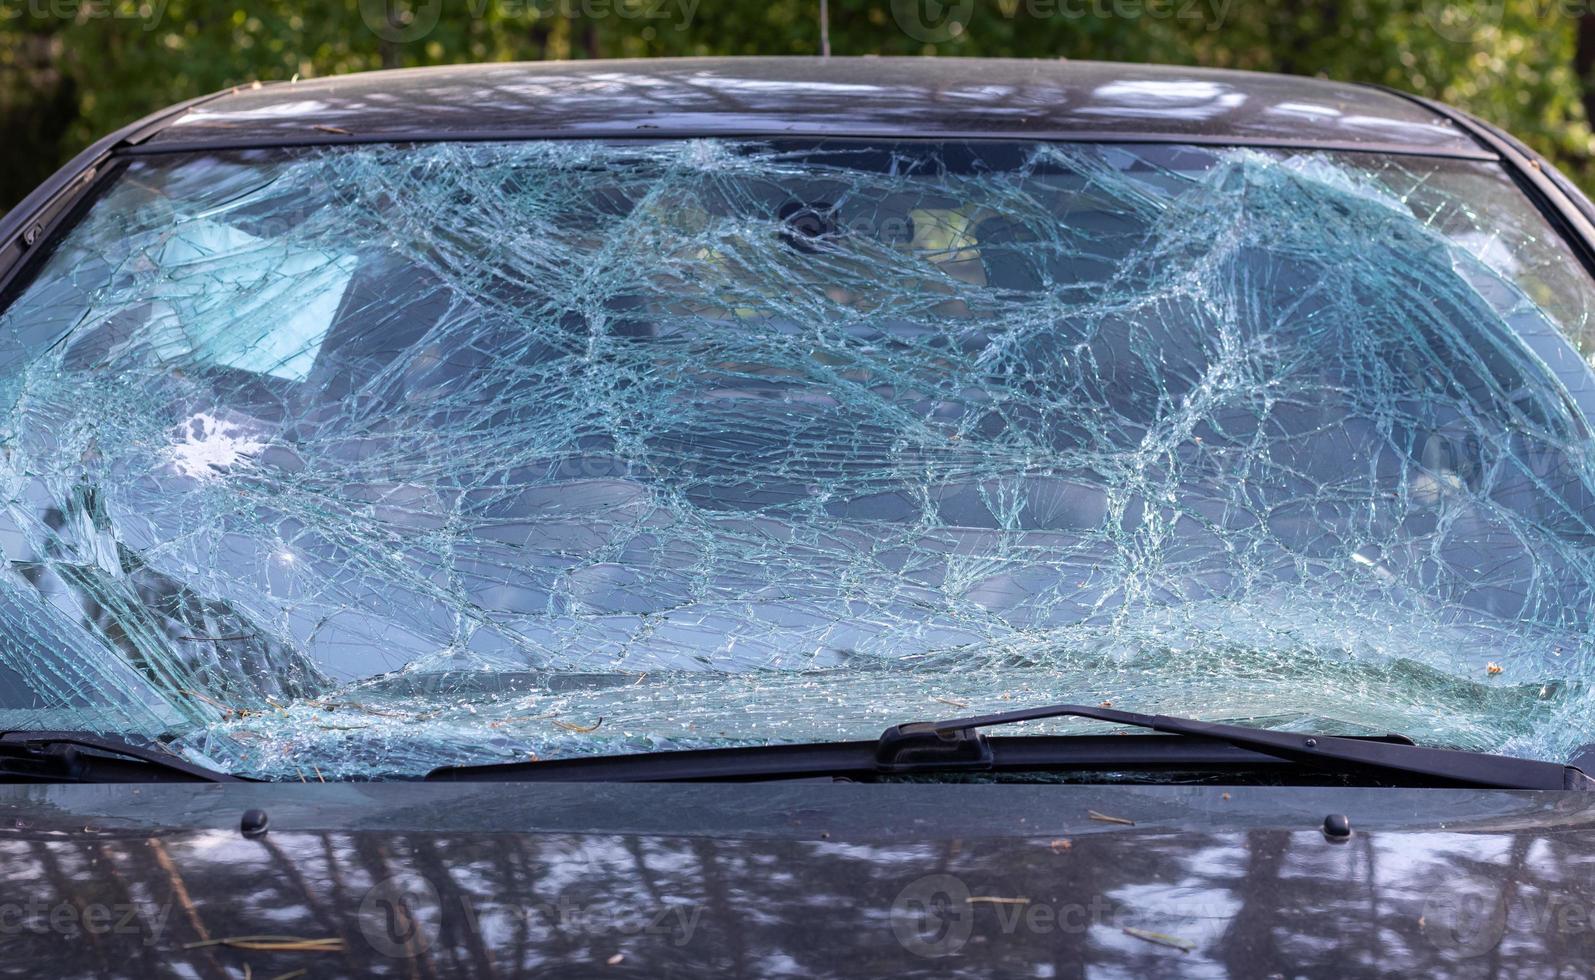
367, 460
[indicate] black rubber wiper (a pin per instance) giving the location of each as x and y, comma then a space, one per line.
918, 743
957, 745
80, 757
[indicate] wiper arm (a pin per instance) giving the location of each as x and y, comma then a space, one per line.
958, 746
937, 744
79, 757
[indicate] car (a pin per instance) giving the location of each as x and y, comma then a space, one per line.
798, 516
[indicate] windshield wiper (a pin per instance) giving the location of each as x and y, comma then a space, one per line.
957, 745
918, 743
80, 757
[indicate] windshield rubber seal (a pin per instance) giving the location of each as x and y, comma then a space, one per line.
513, 135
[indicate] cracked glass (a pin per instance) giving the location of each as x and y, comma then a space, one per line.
357, 461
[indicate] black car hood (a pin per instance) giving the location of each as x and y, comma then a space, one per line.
806, 878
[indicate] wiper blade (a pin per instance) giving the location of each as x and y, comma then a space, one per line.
80, 757
938, 743
957, 745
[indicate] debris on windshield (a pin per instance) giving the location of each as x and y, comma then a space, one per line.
1104, 818
274, 944
376, 458
1492, 668
1161, 939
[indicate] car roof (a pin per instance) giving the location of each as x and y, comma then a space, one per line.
880, 97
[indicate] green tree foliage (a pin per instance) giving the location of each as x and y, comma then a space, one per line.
73, 69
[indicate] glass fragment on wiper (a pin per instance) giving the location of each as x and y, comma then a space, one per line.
368, 460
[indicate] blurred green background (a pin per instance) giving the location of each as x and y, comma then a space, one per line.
73, 69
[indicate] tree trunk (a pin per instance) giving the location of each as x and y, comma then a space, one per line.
1584, 63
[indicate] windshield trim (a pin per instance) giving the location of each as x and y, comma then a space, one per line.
739, 131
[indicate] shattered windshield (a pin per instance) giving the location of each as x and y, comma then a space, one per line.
363, 460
